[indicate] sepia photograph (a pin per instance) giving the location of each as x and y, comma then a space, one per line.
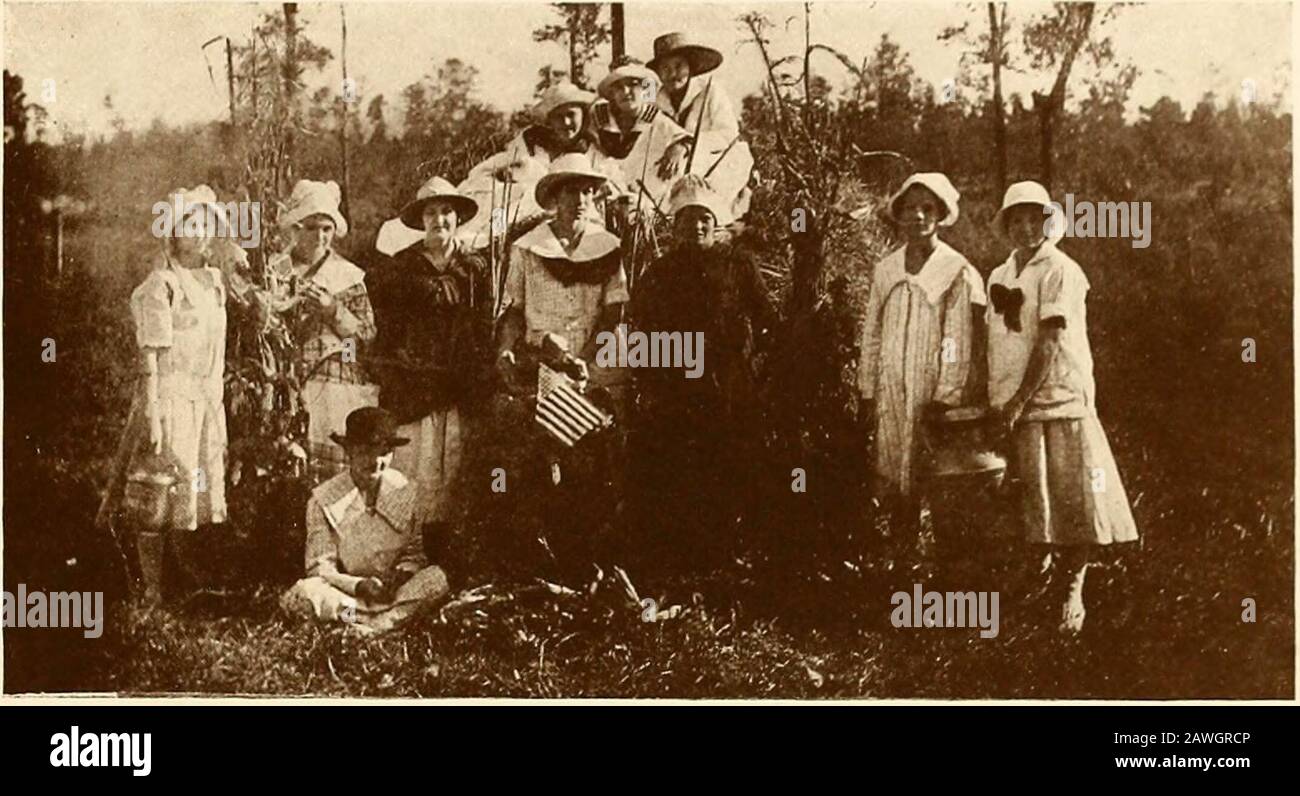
807, 351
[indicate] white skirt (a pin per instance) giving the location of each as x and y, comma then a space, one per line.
433, 459
1071, 493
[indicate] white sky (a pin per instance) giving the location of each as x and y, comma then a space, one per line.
147, 54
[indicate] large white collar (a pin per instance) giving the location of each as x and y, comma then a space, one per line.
338, 494
1045, 253
596, 242
603, 116
944, 265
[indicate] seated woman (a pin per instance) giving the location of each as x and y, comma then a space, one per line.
365, 555
560, 122
703, 109
560, 128
648, 147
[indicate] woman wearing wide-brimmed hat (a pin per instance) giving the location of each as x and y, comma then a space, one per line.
366, 561
566, 276
917, 341
175, 437
559, 127
565, 287
328, 311
433, 312
701, 106
1042, 392
648, 146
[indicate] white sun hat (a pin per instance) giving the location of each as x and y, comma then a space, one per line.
313, 198
1029, 192
937, 184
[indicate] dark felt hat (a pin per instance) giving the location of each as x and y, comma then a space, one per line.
370, 425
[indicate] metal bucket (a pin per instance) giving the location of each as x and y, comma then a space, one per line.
961, 449
146, 499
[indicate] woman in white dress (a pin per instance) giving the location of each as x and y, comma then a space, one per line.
176, 428
917, 340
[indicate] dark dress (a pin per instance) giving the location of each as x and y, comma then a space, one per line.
434, 327
697, 440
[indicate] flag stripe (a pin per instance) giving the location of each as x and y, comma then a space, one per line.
562, 411
552, 415
558, 434
579, 405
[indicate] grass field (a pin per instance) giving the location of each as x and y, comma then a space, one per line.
1203, 441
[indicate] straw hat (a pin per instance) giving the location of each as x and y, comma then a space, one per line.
559, 95
437, 190
939, 185
625, 68
311, 198
565, 169
692, 191
1029, 192
701, 59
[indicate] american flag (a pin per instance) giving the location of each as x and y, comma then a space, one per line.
563, 411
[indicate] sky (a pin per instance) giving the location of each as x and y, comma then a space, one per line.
147, 55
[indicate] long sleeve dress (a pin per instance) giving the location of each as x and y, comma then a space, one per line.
915, 350
348, 542
434, 324
720, 155
333, 348
634, 153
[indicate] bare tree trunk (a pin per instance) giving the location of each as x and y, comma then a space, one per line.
807, 68
996, 31
290, 77
230, 82
1048, 106
575, 65
616, 30
345, 207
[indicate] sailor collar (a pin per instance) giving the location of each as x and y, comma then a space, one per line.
941, 268
596, 243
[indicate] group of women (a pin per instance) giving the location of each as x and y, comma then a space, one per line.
401, 350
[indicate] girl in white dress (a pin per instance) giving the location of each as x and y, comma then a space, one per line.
1042, 392
917, 340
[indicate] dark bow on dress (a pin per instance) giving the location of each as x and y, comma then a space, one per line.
1008, 302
